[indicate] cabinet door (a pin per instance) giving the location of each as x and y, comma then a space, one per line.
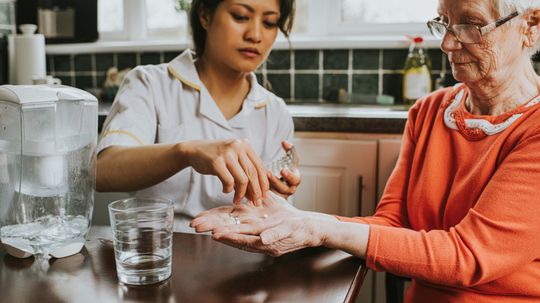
338, 176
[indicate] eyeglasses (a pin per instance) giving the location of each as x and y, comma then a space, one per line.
465, 33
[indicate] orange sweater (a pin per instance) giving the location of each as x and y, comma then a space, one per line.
461, 211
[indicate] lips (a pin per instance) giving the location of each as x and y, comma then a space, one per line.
250, 52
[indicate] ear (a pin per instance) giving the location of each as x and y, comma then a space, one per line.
532, 31
204, 18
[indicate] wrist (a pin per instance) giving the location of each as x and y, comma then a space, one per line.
183, 152
321, 231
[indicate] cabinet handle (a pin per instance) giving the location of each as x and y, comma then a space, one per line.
360, 193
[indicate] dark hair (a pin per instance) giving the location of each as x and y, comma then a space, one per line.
285, 22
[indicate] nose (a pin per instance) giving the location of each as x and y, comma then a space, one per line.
254, 31
449, 42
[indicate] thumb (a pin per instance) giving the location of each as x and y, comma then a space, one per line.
275, 234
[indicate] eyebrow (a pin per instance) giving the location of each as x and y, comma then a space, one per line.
252, 10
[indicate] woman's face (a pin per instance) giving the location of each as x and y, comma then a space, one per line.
492, 57
240, 33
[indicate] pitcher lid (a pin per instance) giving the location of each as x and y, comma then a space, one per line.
23, 94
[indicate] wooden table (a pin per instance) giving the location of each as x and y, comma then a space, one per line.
203, 271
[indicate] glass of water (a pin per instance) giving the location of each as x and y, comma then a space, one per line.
142, 233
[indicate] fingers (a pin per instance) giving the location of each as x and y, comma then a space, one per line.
244, 242
226, 178
276, 233
286, 145
241, 180
253, 186
222, 209
247, 227
247, 171
260, 169
210, 222
284, 188
292, 178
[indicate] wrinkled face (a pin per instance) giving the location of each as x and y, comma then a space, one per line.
490, 59
240, 33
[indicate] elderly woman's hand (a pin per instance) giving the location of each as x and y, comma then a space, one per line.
272, 206
274, 228
275, 236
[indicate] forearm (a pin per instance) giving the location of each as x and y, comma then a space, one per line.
134, 168
349, 237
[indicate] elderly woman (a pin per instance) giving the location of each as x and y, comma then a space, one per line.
460, 214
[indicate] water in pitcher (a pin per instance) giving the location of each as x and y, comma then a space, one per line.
53, 208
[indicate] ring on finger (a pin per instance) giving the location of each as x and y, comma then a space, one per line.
235, 218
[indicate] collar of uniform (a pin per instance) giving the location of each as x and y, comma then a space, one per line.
256, 98
183, 69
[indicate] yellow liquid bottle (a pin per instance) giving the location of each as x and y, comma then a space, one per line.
416, 73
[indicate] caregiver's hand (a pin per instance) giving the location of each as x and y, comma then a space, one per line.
290, 179
234, 162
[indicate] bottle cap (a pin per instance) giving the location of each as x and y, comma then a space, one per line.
418, 39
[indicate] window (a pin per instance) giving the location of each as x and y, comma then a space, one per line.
110, 17
164, 20
159, 19
141, 20
393, 17
366, 17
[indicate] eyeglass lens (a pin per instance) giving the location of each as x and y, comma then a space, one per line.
464, 33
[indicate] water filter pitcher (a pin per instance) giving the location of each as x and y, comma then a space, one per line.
48, 136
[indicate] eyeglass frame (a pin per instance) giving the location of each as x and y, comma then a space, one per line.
482, 30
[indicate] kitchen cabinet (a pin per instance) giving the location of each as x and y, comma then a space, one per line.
338, 176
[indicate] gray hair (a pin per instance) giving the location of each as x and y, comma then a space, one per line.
506, 7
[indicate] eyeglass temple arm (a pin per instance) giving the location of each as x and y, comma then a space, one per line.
494, 25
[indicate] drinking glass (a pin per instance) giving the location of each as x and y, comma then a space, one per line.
142, 233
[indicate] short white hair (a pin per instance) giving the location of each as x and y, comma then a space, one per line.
506, 7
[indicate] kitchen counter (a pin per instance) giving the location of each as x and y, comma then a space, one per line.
349, 118
335, 118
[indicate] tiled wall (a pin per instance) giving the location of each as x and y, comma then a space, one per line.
297, 76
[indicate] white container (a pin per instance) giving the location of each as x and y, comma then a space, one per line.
27, 56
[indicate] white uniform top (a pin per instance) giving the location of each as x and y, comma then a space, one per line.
168, 103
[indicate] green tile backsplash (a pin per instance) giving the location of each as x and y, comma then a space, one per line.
365, 84
306, 86
336, 59
297, 76
306, 59
279, 59
366, 59
333, 84
280, 84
